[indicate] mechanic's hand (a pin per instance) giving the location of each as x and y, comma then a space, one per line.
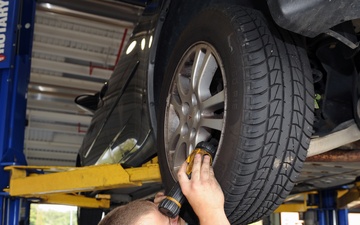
203, 191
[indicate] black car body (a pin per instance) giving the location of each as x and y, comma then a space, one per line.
132, 110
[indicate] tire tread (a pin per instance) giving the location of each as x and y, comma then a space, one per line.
267, 53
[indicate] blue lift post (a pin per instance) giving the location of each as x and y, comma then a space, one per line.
328, 212
16, 37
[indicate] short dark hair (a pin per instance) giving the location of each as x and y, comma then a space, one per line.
128, 214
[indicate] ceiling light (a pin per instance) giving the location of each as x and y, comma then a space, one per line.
143, 44
150, 41
131, 47
48, 5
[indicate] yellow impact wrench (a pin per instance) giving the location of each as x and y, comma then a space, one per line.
171, 205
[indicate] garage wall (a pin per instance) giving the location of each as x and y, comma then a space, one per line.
73, 53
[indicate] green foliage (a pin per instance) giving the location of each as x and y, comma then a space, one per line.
40, 216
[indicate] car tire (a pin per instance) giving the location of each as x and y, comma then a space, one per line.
236, 78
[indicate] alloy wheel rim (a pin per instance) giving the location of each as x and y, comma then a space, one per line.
196, 103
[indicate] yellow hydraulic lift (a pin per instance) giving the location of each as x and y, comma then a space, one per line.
345, 198
61, 185
296, 203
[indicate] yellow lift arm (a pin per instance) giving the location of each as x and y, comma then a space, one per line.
346, 198
59, 185
296, 203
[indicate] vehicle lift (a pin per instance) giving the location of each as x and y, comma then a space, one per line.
21, 184
323, 207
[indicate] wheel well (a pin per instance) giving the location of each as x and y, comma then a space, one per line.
334, 72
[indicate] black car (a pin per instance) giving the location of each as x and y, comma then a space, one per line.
257, 78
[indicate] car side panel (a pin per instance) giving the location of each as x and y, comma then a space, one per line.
118, 135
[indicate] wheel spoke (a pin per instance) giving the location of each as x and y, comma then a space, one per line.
202, 135
177, 154
174, 140
175, 104
171, 156
214, 103
197, 65
208, 69
212, 123
182, 86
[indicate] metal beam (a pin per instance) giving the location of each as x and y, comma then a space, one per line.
50, 156
294, 207
60, 128
82, 19
350, 133
53, 146
24, 183
76, 36
54, 106
58, 117
74, 200
87, 86
337, 155
115, 10
46, 162
63, 67
80, 54
331, 200
353, 194
296, 203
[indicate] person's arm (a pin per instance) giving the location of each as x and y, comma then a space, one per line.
203, 192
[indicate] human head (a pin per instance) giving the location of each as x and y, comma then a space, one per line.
138, 212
